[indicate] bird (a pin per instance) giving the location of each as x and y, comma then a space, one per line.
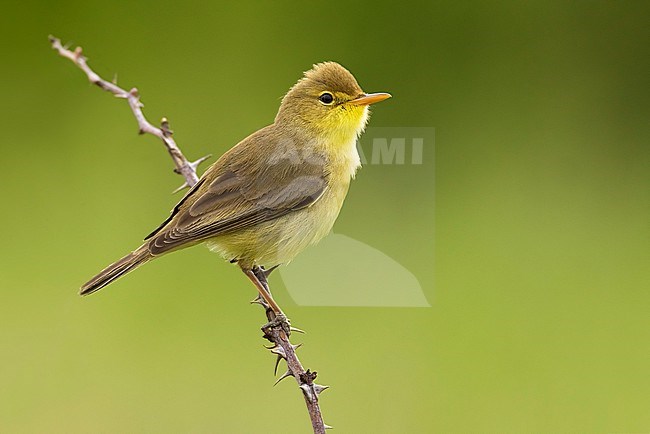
277, 191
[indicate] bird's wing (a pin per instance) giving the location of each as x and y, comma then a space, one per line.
240, 197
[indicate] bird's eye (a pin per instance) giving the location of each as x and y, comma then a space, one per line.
326, 98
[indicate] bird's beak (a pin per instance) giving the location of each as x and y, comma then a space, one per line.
370, 98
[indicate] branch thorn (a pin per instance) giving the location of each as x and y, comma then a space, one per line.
267, 272
182, 187
305, 389
258, 299
279, 351
285, 375
195, 164
319, 388
277, 363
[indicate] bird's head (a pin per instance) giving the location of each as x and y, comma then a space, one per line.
328, 101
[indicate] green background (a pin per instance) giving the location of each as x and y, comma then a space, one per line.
533, 252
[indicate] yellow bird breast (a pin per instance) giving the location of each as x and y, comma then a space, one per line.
280, 240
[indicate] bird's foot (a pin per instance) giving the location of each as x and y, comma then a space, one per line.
279, 322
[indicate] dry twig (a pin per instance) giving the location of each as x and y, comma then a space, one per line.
184, 167
276, 334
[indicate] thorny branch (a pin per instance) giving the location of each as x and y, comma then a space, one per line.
184, 167
283, 349
276, 334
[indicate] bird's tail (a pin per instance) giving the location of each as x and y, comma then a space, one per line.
117, 269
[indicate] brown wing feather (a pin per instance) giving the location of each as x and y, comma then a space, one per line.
176, 209
233, 197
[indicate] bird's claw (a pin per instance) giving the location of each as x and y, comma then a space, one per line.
280, 321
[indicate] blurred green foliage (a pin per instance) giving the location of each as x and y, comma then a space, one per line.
533, 252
